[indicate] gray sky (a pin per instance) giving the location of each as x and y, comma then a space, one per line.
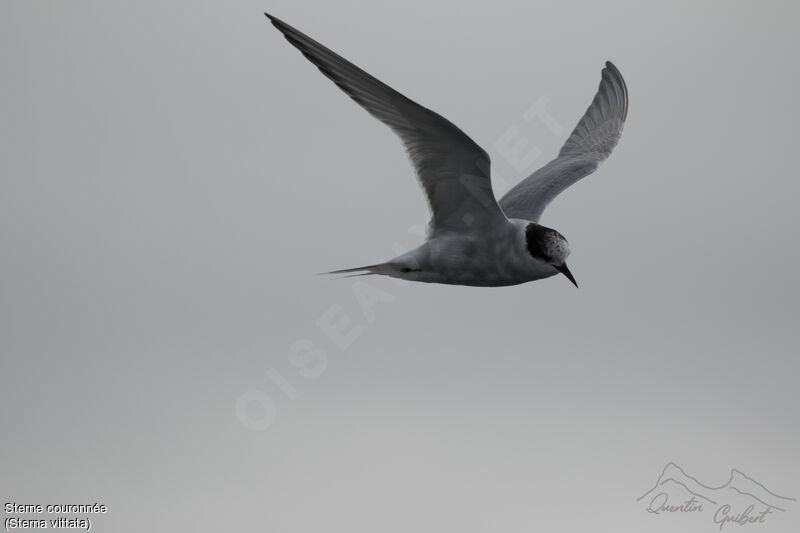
173, 175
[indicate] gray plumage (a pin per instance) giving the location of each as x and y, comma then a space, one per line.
590, 143
473, 239
452, 169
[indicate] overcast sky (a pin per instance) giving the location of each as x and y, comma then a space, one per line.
173, 175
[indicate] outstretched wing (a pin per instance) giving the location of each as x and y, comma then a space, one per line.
590, 143
452, 169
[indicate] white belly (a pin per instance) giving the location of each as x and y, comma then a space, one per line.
497, 259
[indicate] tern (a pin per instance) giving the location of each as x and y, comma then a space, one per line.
472, 238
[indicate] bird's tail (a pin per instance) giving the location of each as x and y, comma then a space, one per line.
380, 268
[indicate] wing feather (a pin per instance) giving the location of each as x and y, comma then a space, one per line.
589, 144
452, 169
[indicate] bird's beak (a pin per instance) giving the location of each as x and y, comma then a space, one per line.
564, 270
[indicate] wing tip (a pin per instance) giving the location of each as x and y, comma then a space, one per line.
612, 71
278, 23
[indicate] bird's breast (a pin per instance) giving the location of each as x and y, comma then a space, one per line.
494, 259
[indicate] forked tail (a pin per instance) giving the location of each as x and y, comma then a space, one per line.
380, 268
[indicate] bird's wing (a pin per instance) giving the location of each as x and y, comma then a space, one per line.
452, 169
590, 143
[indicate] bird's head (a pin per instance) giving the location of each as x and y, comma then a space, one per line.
549, 246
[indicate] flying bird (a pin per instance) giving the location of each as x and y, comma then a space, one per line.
472, 238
